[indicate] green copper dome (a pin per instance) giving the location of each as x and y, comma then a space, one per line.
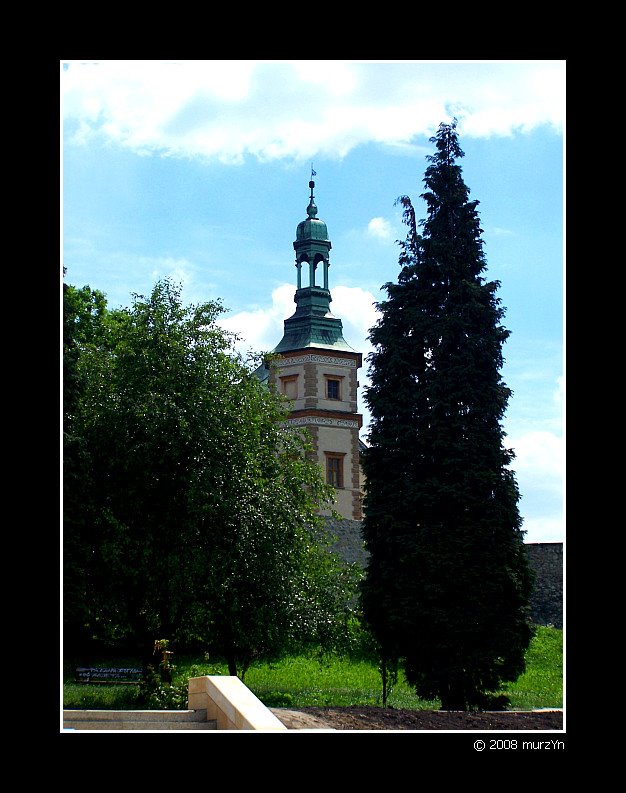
312, 228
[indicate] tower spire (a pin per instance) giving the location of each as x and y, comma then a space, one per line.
313, 324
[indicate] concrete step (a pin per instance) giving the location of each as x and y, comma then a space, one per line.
137, 720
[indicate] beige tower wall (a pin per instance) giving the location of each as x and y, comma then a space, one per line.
303, 377
337, 440
293, 373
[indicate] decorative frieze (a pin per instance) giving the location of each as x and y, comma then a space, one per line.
312, 358
327, 422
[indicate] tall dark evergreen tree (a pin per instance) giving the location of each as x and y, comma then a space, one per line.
447, 586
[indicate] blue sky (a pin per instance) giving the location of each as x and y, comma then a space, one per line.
199, 170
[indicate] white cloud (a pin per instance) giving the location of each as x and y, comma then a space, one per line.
260, 329
129, 274
355, 307
542, 453
539, 468
380, 228
300, 109
179, 271
543, 529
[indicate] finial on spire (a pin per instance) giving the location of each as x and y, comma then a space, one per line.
312, 209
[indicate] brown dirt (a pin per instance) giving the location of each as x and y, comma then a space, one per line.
376, 718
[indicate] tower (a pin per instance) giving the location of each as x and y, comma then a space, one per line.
317, 369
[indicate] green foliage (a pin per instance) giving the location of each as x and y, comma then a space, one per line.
83, 321
193, 508
301, 681
277, 699
447, 586
156, 693
165, 666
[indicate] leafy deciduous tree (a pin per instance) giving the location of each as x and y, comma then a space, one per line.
83, 314
199, 517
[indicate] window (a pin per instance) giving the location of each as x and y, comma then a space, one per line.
333, 388
289, 386
334, 469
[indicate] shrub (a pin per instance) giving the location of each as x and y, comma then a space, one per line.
276, 699
157, 694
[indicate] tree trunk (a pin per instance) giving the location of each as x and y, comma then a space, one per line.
232, 665
383, 671
453, 697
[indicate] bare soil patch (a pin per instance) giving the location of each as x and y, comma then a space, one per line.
376, 718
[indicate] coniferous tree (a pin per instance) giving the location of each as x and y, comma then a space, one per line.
448, 585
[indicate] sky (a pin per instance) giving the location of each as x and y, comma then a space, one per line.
198, 171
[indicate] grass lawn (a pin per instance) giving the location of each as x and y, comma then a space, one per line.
299, 681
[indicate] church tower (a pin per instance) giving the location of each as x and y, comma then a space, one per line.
317, 369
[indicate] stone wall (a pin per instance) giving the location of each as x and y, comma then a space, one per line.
349, 542
546, 560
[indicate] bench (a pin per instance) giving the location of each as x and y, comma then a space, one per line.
100, 674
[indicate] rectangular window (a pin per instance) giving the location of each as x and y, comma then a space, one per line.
289, 386
333, 388
334, 470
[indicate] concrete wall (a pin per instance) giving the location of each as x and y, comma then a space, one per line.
546, 560
231, 704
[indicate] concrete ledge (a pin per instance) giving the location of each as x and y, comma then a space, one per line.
231, 704
196, 715
143, 720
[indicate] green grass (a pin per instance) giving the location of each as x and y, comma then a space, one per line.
541, 685
301, 682
305, 681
